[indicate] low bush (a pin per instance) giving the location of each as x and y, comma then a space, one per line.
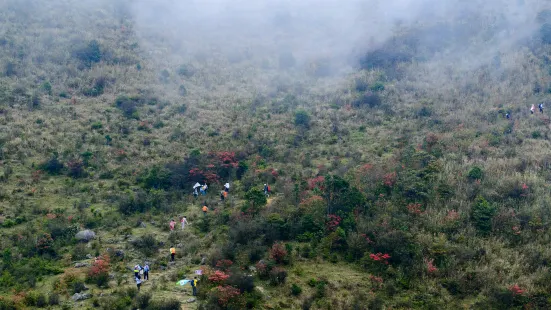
147, 244
296, 290
164, 304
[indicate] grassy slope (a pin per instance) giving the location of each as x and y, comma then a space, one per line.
219, 100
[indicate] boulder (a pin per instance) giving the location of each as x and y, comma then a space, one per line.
191, 300
81, 265
81, 296
85, 235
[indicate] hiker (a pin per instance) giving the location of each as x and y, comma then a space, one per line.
205, 209
227, 187
508, 116
172, 253
146, 272
202, 189
203, 259
222, 195
540, 106
184, 221
205, 187
266, 190
225, 194
194, 286
138, 283
137, 270
195, 193
172, 224
532, 109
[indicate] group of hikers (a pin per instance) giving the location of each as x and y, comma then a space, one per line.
532, 110
138, 272
183, 222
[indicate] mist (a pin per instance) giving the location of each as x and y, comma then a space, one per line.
470, 33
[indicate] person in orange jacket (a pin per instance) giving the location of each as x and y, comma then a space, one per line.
172, 253
205, 209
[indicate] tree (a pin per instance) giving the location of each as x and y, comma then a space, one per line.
89, 54
482, 214
302, 119
255, 200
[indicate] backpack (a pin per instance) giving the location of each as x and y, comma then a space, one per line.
269, 188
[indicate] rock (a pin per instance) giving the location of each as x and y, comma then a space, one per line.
89, 256
163, 267
81, 296
81, 265
119, 253
179, 245
153, 223
191, 300
252, 268
85, 235
142, 225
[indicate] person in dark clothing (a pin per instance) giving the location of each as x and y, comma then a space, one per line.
194, 286
540, 106
508, 116
222, 196
138, 283
146, 272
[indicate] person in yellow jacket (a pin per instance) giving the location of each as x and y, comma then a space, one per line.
172, 253
194, 286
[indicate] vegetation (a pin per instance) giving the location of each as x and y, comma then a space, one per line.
397, 184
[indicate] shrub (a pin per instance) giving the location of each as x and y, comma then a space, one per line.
78, 287
53, 299
243, 282
147, 244
476, 173
142, 301
376, 87
89, 54
186, 70
76, 169
99, 272
296, 290
361, 85
369, 99
278, 253
481, 215
128, 106
41, 301
182, 91
302, 119
278, 276
97, 87
255, 200
52, 166
164, 304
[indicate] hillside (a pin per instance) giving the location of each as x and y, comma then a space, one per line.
397, 181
